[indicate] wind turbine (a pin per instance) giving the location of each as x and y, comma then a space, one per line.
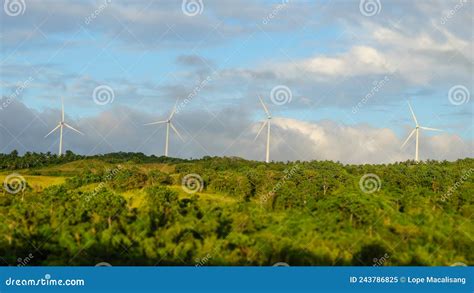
168, 125
267, 123
416, 131
61, 125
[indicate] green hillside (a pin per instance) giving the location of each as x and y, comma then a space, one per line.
132, 209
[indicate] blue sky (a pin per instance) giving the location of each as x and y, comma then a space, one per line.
330, 55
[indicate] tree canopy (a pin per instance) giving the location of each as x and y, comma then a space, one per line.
133, 209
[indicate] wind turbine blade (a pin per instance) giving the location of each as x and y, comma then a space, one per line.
260, 130
52, 131
175, 130
408, 138
62, 109
72, 128
264, 107
413, 114
174, 109
429, 128
157, 122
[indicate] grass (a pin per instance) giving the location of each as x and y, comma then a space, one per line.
38, 183
211, 197
166, 168
136, 197
68, 169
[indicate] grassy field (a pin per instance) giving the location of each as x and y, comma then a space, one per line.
39, 182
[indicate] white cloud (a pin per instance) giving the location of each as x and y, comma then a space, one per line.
230, 133
329, 140
428, 58
359, 60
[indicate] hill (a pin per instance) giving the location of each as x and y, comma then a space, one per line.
132, 209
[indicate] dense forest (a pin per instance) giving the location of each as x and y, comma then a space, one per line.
133, 209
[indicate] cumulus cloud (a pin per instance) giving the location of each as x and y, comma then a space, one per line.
228, 133
329, 140
332, 58
430, 52
360, 60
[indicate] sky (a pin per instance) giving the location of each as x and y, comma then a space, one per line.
336, 76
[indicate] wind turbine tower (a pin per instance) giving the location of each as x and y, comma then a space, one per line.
168, 125
267, 123
61, 125
416, 132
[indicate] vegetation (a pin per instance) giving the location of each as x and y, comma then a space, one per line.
132, 209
